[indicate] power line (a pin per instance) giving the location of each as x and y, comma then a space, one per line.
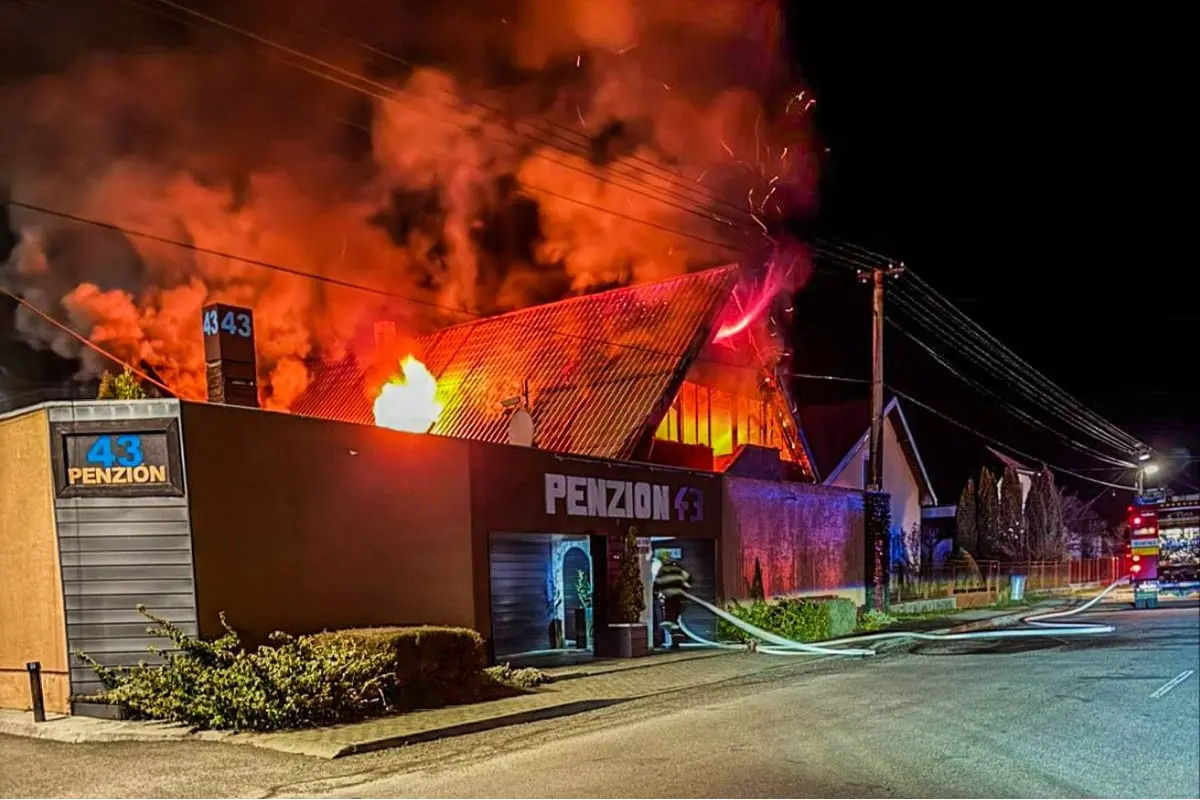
87, 342
854, 256
341, 283
1007, 376
1069, 410
145, 376
857, 251
998, 443
990, 439
935, 323
1037, 376
1022, 415
385, 93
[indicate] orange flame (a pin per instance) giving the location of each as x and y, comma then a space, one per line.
760, 297
408, 401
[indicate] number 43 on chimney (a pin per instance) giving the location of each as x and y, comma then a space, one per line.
237, 324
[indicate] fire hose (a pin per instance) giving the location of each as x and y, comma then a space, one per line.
779, 645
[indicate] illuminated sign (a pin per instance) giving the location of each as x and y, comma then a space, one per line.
577, 496
237, 323
130, 458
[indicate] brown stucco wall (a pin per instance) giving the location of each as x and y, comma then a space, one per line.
32, 622
807, 539
302, 525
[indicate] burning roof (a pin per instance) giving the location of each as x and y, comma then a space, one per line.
597, 371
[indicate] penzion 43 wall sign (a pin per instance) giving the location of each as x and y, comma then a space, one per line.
118, 458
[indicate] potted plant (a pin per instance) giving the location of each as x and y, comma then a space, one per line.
626, 628
583, 627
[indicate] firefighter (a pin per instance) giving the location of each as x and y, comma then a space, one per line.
670, 583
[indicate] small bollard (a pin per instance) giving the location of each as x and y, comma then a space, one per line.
35, 690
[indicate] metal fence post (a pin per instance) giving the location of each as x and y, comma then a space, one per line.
35, 690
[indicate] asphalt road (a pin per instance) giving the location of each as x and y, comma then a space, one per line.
1028, 718
1021, 718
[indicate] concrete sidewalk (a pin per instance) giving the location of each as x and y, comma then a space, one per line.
574, 689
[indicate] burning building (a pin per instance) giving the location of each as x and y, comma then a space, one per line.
674, 372
531, 443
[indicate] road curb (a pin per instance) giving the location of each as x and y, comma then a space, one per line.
83, 730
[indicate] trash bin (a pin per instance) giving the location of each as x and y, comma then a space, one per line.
1017, 588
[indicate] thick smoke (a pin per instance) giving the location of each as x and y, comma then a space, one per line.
451, 186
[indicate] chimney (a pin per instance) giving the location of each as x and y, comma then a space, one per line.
385, 335
229, 355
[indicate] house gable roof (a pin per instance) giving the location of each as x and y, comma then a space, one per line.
600, 368
837, 432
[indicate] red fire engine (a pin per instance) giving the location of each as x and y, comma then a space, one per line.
1162, 555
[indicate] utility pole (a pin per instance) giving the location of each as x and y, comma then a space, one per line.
877, 568
874, 481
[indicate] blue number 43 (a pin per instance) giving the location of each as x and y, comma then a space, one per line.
103, 452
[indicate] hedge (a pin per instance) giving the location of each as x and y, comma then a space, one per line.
304, 681
798, 619
433, 666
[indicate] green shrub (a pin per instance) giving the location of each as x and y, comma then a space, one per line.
525, 678
843, 617
873, 620
798, 619
432, 665
297, 682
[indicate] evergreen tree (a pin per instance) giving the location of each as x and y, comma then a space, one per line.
1012, 543
756, 585
1056, 525
631, 593
967, 531
124, 386
987, 515
1037, 519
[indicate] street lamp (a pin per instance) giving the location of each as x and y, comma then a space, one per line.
1146, 469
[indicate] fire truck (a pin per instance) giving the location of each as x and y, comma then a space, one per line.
1162, 555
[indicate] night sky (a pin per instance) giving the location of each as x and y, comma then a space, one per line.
1021, 164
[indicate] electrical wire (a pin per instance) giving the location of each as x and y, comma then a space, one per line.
1016, 412
87, 342
985, 437
386, 94
997, 443
835, 252
942, 302
1071, 411
855, 257
405, 298
340, 283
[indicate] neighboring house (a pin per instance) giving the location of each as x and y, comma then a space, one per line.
1024, 474
838, 436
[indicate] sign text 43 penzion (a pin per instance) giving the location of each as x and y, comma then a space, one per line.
134, 458
116, 460
577, 496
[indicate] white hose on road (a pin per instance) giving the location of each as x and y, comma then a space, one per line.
778, 645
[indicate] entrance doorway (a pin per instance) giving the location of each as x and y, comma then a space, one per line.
541, 596
698, 557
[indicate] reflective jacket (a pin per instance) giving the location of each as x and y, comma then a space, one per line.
671, 579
